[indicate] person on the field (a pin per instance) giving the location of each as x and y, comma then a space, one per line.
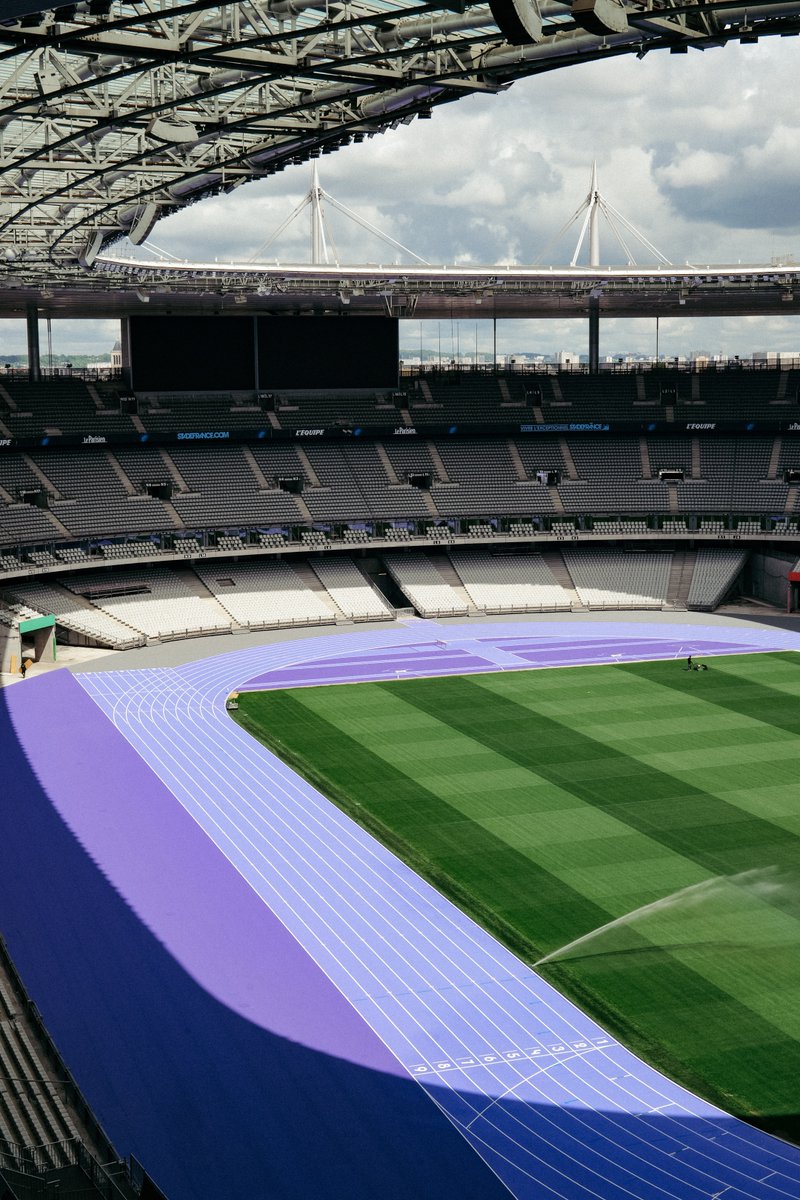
689, 663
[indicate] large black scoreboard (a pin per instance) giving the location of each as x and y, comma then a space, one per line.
207, 354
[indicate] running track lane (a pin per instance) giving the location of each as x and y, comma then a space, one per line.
554, 1106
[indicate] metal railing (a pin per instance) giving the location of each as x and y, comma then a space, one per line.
454, 533
71, 1152
662, 367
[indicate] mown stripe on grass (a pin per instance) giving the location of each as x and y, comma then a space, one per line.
544, 822
734, 756
480, 872
688, 821
734, 685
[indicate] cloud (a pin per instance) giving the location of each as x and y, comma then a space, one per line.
696, 168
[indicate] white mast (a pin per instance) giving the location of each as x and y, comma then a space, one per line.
594, 220
315, 199
593, 206
319, 250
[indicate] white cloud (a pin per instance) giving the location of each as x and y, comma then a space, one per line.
696, 168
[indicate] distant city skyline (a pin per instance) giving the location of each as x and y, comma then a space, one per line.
677, 336
427, 342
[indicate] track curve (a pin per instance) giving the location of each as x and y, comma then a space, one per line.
554, 1105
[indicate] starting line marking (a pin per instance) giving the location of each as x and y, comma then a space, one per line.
440, 1065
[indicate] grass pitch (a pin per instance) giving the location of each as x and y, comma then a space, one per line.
638, 823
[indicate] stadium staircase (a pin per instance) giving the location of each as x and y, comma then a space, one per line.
314, 584
569, 462
430, 503
519, 465
304, 510
644, 454
508, 400
555, 497
680, 577
25, 1176
305, 462
95, 396
791, 499
775, 458
554, 561
451, 576
60, 527
391, 474
46, 483
258, 474
174, 515
118, 470
191, 580
441, 469
174, 473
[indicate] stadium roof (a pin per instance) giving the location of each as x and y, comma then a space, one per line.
114, 113
121, 286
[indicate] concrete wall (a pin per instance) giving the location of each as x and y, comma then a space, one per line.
9, 649
768, 572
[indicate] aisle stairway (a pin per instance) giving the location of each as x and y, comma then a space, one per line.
554, 560
680, 577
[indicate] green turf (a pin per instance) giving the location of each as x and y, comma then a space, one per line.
661, 803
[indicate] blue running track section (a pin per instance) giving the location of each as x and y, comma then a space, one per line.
267, 984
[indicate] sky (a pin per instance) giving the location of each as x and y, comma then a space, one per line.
699, 151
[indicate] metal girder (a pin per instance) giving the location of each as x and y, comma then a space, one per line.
116, 112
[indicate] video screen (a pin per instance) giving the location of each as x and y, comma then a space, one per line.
310, 353
192, 354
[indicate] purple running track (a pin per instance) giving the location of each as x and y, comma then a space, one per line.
204, 1036
542, 1094
487, 654
553, 1104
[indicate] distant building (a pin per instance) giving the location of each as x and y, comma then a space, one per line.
776, 358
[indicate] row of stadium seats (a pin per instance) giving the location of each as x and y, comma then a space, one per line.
74, 406
125, 606
122, 607
89, 495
